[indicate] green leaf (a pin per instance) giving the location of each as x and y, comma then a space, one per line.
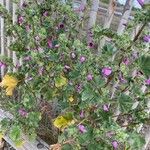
144, 63
87, 95
125, 103
15, 133
136, 141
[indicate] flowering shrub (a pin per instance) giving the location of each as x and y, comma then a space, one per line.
80, 90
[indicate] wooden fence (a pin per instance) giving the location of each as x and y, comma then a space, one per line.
110, 16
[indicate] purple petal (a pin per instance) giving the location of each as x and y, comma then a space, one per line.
115, 144
106, 71
106, 107
89, 77
146, 38
141, 2
22, 112
82, 114
82, 128
147, 81
82, 59
45, 14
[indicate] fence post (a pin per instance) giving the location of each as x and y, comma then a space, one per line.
93, 14
2, 39
8, 38
14, 20
108, 20
125, 16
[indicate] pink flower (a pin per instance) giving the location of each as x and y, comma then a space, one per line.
141, 2
147, 81
126, 61
121, 78
82, 114
82, 128
50, 44
79, 88
106, 71
61, 26
20, 20
66, 68
82, 59
2, 64
89, 77
146, 38
115, 145
106, 107
28, 28
91, 45
45, 14
23, 112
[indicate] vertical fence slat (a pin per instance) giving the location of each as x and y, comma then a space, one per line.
2, 38
125, 16
93, 14
108, 20
8, 38
20, 60
14, 20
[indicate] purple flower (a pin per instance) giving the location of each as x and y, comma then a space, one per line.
106, 71
82, 59
141, 2
28, 28
106, 107
89, 77
79, 88
24, 5
82, 114
126, 61
115, 144
147, 81
73, 55
91, 45
82, 128
45, 14
121, 78
146, 38
50, 44
23, 112
66, 68
61, 26
20, 20
41, 70
2, 64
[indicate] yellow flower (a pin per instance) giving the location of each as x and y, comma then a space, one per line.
71, 99
62, 122
60, 81
9, 82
